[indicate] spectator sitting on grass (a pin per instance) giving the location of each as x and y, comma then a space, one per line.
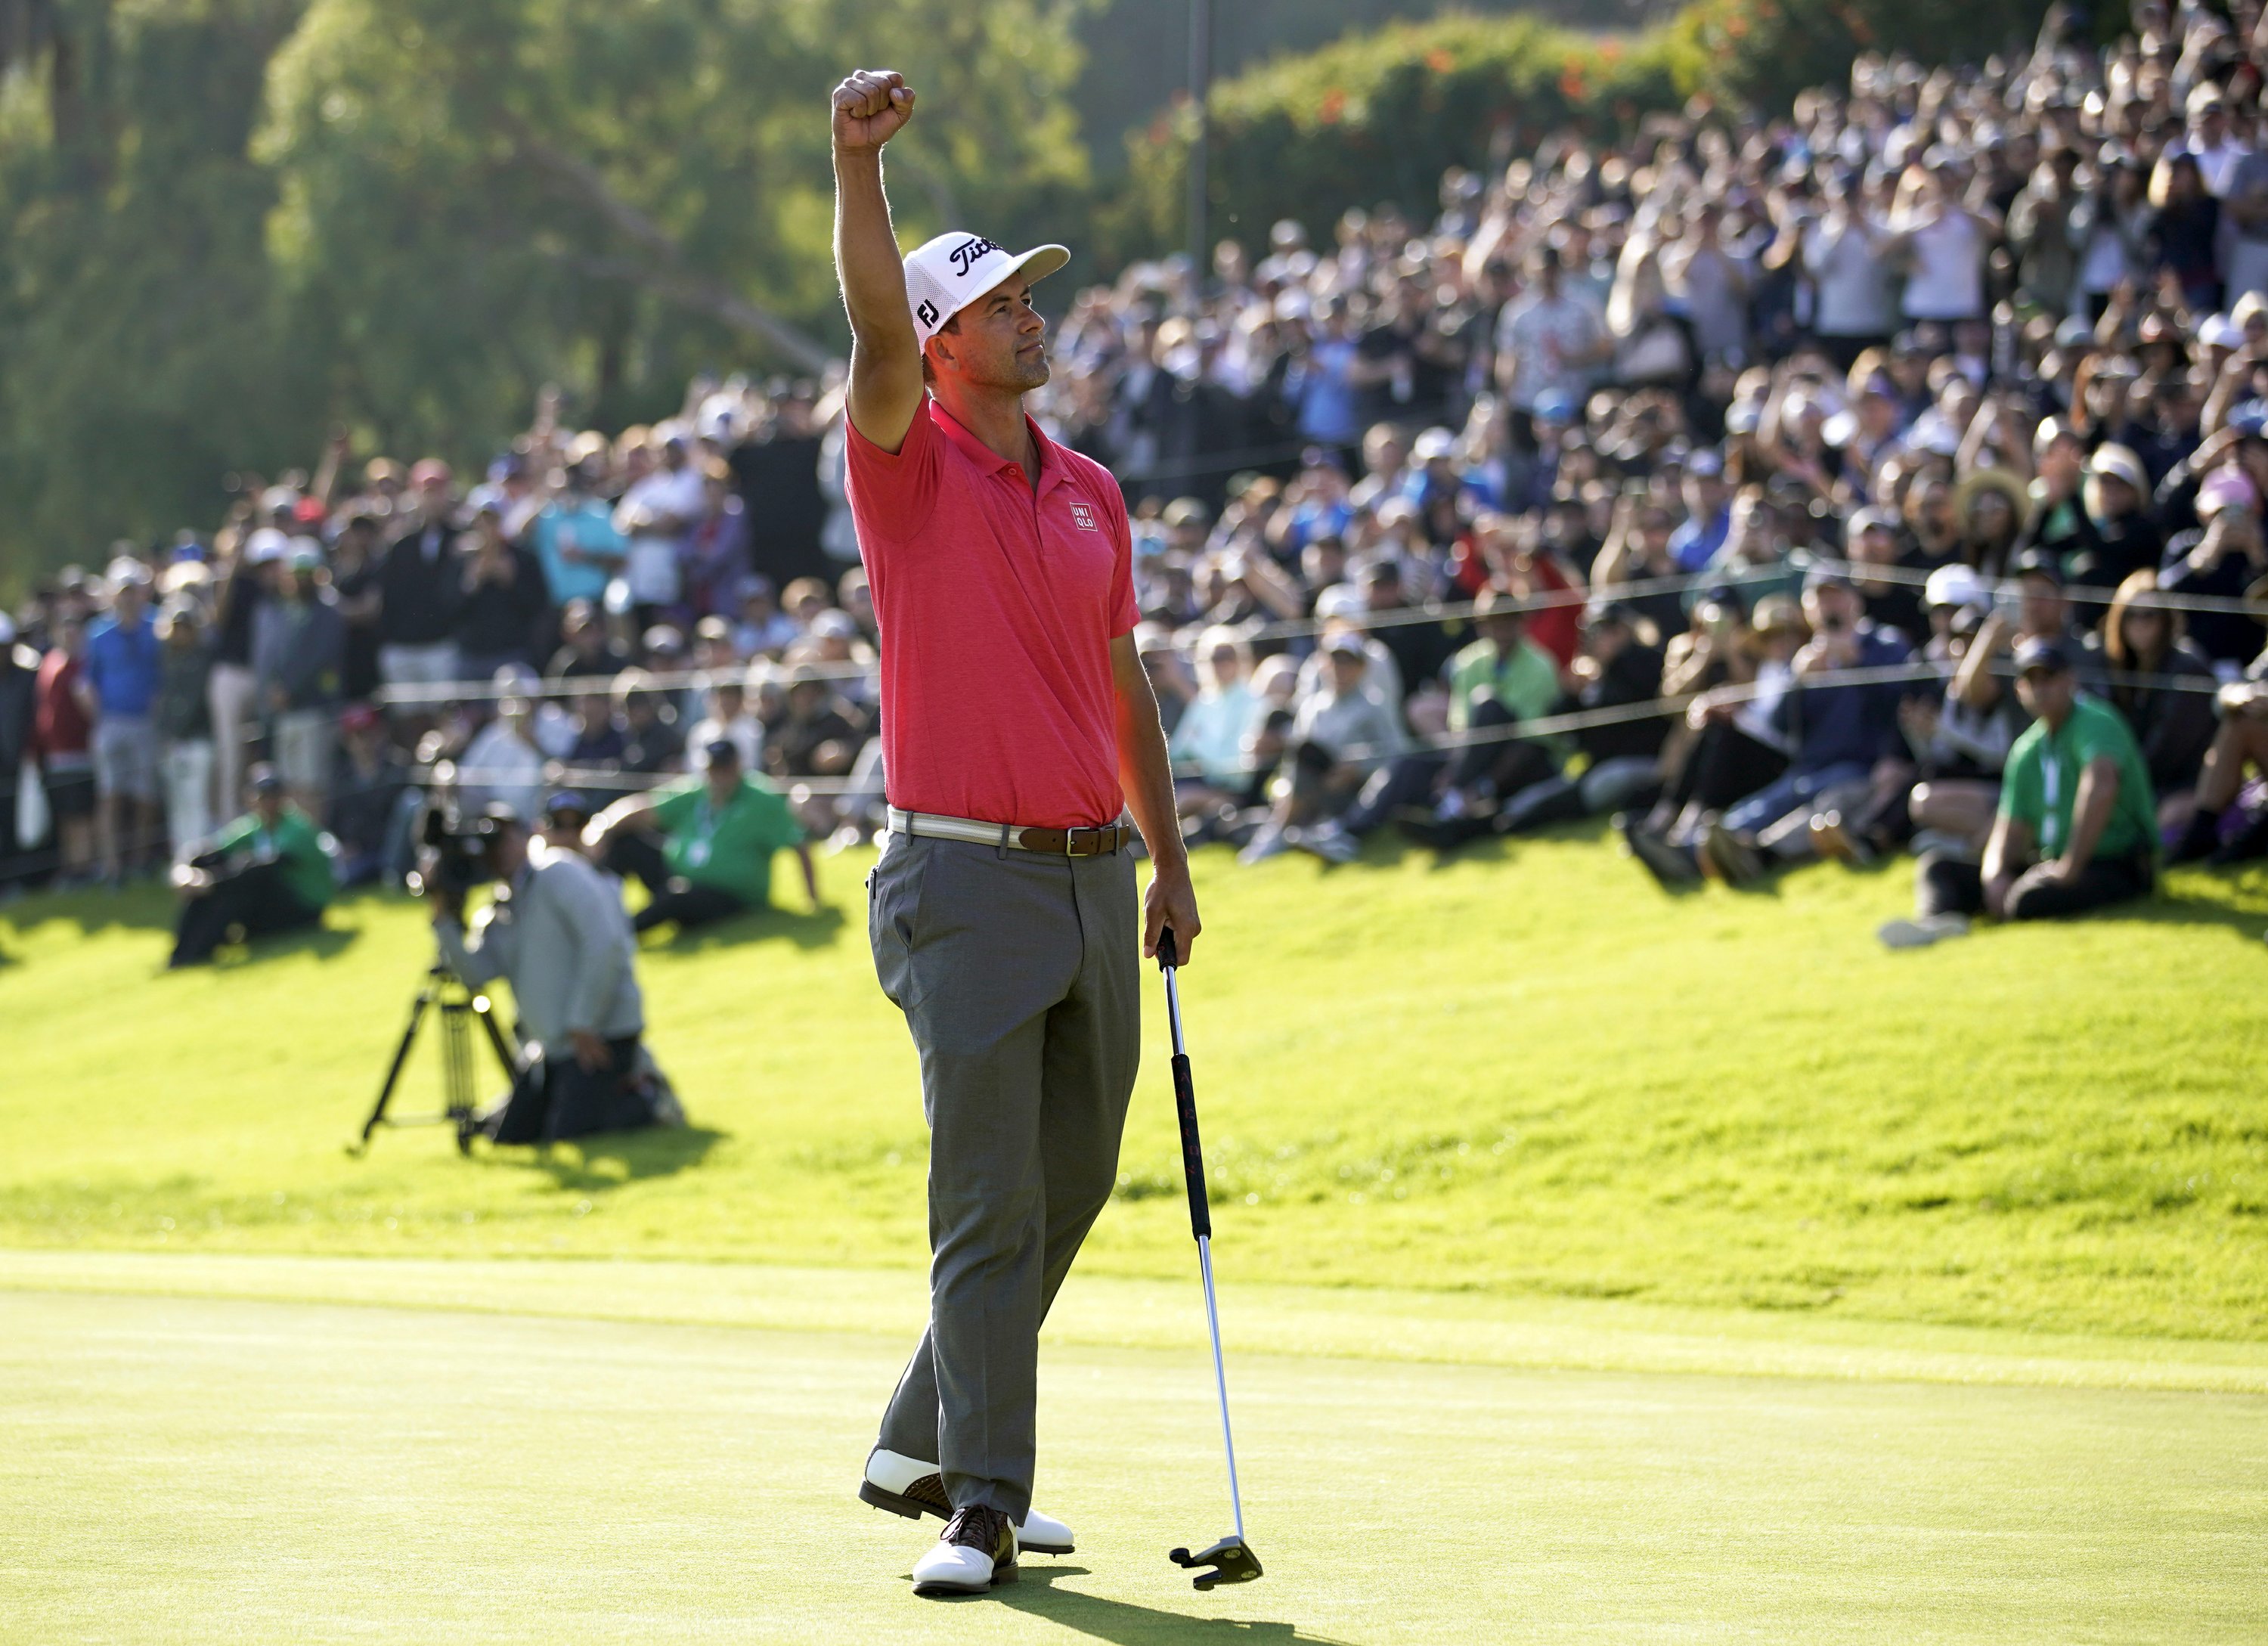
1844, 734
2078, 825
1500, 679
269, 871
369, 817
2241, 741
1340, 734
713, 857
1210, 735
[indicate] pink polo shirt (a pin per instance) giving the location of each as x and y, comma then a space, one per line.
997, 609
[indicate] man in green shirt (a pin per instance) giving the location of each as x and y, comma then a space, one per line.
269, 871
713, 857
2078, 824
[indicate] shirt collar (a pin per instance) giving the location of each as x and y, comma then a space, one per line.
1051, 463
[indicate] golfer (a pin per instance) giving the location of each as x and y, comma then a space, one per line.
1017, 727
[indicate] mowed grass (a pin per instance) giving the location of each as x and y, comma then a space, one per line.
187, 1470
1525, 1071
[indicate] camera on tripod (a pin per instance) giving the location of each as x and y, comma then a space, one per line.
454, 852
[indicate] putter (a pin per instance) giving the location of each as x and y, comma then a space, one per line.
1231, 1560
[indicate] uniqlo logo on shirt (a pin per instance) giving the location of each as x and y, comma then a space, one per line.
1082, 516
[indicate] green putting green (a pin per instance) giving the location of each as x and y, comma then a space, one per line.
185, 1469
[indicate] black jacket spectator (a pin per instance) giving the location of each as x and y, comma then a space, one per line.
420, 584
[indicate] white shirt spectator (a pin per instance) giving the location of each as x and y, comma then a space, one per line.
1844, 256
1947, 279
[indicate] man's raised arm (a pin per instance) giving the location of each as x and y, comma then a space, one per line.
885, 371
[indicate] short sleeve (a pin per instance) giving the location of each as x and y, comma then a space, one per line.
1124, 613
2020, 786
892, 494
673, 808
778, 820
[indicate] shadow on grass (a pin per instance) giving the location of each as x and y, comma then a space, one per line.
608, 1160
1040, 1593
809, 929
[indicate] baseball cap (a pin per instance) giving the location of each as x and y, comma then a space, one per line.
265, 544
2249, 417
357, 717
719, 748
1955, 585
564, 803
2120, 463
1346, 643
1706, 461
2218, 331
2226, 487
264, 779
945, 275
1434, 443
2040, 651
305, 555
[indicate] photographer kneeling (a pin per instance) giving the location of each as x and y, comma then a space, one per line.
555, 930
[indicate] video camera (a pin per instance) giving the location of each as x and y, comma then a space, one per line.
454, 852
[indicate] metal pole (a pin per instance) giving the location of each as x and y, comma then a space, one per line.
1200, 89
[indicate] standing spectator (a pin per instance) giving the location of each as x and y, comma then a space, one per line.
122, 674
19, 674
298, 655
656, 514
62, 727
420, 582
1549, 340
184, 723
501, 604
1845, 254
1945, 243
576, 539
233, 692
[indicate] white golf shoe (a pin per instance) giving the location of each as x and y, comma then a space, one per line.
977, 1550
908, 1486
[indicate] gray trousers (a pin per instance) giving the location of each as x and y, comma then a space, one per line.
1019, 977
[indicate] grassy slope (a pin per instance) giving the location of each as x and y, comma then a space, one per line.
187, 1471
1531, 1073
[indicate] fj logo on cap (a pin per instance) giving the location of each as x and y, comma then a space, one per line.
1082, 517
928, 312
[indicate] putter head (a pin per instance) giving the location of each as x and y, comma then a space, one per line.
1232, 1560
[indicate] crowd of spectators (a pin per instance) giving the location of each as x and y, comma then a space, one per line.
1763, 483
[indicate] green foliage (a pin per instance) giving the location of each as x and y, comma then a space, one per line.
1380, 116
1765, 51
226, 224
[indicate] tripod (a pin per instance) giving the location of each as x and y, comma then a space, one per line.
458, 1003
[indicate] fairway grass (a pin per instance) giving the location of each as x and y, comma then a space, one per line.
1525, 1073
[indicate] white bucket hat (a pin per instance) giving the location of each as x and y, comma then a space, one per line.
947, 274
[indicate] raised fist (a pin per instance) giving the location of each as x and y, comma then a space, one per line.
870, 108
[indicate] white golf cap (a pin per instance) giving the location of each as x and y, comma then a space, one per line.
1955, 585
266, 543
947, 274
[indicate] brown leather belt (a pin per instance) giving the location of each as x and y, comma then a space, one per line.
1097, 841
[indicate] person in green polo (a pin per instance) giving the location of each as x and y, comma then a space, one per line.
2078, 823
702, 848
269, 871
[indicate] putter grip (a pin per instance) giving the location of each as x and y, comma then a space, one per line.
1185, 1105
1168, 955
